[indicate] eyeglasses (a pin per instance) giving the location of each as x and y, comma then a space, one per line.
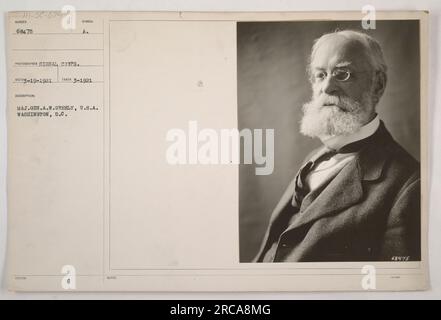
340, 75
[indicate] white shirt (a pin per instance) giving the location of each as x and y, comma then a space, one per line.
328, 169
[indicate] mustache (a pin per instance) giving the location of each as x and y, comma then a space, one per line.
326, 100
343, 103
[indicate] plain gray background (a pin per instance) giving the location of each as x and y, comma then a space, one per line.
273, 85
434, 6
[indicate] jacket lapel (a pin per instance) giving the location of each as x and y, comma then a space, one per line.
287, 196
346, 188
342, 192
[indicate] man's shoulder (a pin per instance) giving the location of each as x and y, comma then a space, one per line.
384, 149
401, 159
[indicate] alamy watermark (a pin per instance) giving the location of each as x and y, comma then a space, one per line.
369, 20
223, 146
369, 280
68, 282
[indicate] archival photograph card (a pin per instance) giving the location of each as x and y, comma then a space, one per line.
196, 151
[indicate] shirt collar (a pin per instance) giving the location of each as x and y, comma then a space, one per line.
337, 142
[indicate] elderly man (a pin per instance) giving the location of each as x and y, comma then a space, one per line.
357, 198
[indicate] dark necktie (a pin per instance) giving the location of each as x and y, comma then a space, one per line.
301, 187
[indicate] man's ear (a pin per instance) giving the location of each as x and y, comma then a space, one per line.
380, 81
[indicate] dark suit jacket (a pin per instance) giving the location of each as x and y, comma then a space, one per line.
369, 212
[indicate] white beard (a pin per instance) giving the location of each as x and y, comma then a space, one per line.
345, 117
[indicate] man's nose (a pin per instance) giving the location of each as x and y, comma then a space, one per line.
329, 86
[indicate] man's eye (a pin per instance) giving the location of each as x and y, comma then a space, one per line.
320, 75
342, 75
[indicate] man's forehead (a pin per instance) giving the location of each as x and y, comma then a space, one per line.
339, 51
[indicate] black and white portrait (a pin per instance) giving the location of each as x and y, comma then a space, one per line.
344, 104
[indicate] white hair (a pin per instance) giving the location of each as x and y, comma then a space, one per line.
372, 47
